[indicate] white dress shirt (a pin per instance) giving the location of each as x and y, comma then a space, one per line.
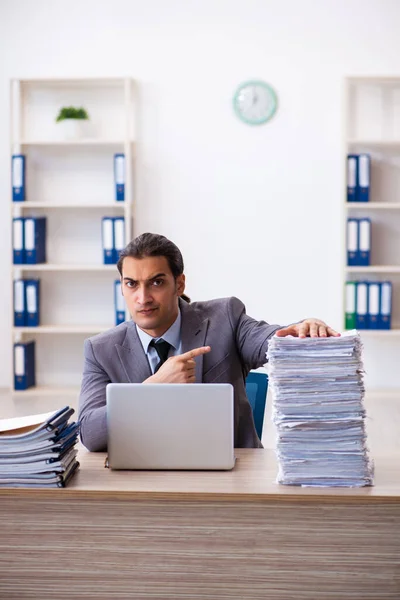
172, 336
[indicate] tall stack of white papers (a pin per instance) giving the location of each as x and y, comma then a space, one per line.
38, 450
318, 390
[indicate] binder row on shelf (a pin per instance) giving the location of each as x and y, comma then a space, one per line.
19, 177
27, 303
358, 242
29, 240
358, 177
368, 305
113, 237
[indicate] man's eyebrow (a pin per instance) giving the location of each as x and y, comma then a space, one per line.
150, 278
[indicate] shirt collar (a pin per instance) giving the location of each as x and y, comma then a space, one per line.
172, 335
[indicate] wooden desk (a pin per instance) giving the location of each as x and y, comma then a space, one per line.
183, 535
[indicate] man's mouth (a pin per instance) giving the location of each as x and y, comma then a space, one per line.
147, 311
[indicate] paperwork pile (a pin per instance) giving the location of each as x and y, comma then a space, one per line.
39, 450
317, 388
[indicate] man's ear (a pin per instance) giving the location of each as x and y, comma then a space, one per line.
180, 284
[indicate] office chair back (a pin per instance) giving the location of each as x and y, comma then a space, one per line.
256, 390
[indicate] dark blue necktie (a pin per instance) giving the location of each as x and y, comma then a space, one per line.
162, 348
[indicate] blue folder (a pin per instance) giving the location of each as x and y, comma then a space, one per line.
24, 365
18, 178
19, 303
107, 234
352, 242
119, 303
364, 242
119, 177
386, 305
119, 237
35, 240
362, 305
32, 293
18, 241
374, 294
352, 177
364, 177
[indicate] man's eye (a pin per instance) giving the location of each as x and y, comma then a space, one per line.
131, 284
158, 282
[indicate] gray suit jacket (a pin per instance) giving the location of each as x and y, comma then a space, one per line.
238, 344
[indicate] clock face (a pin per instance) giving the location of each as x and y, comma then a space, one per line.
255, 102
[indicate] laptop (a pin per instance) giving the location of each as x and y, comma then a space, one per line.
170, 426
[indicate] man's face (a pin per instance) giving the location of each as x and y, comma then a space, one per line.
151, 293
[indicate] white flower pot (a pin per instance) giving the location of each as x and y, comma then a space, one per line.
71, 129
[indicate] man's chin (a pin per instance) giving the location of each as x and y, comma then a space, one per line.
150, 318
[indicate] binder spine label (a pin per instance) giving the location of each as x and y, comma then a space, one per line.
19, 361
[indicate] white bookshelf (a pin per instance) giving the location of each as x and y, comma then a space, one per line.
372, 125
71, 182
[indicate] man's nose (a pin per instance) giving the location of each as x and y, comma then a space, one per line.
143, 295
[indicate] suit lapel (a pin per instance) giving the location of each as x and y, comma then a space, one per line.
193, 334
132, 356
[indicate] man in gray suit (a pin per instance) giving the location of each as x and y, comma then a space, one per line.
170, 340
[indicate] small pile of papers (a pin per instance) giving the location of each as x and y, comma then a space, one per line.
39, 450
318, 391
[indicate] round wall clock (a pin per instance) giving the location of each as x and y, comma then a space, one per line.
255, 102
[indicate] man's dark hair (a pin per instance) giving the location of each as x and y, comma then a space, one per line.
154, 244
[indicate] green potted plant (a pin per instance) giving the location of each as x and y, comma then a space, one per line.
71, 120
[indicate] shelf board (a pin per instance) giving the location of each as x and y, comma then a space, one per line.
378, 144
32, 204
62, 267
44, 390
77, 142
86, 329
374, 269
84, 81
374, 205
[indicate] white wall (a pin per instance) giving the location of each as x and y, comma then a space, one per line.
257, 212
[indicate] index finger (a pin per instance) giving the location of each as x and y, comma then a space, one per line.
195, 352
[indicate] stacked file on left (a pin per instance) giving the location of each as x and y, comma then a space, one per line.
38, 450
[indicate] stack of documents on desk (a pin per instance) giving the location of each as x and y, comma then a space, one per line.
317, 388
39, 450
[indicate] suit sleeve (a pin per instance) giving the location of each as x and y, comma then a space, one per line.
92, 402
251, 336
